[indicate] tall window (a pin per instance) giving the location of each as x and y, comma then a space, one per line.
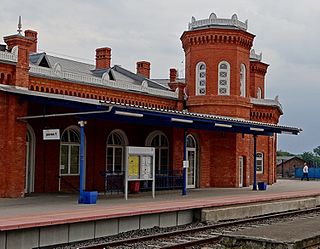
224, 78
242, 80
115, 151
159, 141
259, 161
201, 79
259, 93
70, 152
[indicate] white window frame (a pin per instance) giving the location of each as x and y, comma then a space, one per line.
227, 78
69, 146
159, 149
243, 75
260, 162
201, 90
124, 142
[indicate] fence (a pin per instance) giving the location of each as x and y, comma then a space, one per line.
313, 173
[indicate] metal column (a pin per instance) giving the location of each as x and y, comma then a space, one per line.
81, 124
254, 162
185, 162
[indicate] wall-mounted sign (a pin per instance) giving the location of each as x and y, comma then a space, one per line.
51, 134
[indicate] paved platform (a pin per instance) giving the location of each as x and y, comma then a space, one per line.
54, 209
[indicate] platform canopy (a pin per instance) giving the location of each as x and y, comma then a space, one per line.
98, 109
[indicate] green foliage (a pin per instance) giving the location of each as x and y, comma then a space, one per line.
284, 153
311, 158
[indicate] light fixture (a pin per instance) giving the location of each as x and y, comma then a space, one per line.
223, 125
129, 114
182, 120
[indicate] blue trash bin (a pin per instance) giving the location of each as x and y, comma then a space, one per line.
262, 185
88, 197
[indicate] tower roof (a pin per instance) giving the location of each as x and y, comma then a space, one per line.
215, 22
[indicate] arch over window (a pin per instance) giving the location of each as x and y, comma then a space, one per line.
201, 78
159, 141
191, 142
116, 142
243, 76
224, 78
259, 93
70, 151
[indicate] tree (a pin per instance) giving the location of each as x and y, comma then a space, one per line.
285, 153
317, 151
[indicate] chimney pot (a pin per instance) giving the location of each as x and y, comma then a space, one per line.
173, 75
33, 36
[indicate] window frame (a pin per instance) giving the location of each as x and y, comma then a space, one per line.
69, 145
243, 76
261, 160
227, 78
199, 78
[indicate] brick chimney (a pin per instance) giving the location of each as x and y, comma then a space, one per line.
143, 68
103, 58
22, 67
173, 75
33, 36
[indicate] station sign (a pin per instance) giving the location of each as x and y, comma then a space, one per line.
51, 134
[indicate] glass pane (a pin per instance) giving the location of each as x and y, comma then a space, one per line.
118, 159
202, 82
223, 66
64, 159
74, 136
164, 141
223, 82
164, 161
222, 90
117, 139
155, 141
202, 75
202, 67
74, 160
157, 166
190, 142
65, 137
223, 74
202, 91
191, 168
110, 159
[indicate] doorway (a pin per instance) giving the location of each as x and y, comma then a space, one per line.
241, 162
29, 161
192, 158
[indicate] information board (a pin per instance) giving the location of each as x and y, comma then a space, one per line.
140, 166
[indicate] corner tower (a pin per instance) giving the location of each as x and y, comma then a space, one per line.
217, 61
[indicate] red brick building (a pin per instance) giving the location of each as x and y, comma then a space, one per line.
218, 111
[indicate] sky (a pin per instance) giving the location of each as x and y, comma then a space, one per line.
287, 33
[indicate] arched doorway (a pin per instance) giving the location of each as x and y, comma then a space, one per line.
29, 163
192, 158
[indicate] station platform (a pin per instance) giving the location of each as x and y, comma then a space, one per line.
58, 218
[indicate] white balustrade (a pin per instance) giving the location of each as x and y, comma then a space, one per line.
7, 56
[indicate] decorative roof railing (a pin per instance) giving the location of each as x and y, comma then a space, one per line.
7, 56
59, 74
267, 102
254, 56
214, 21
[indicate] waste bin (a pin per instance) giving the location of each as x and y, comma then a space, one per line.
88, 197
134, 187
262, 185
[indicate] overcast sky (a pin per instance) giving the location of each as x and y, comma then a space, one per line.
287, 33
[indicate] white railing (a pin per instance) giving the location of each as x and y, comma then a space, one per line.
6, 56
266, 102
101, 82
213, 20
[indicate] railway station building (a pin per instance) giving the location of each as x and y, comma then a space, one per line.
217, 117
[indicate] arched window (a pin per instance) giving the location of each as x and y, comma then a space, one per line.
259, 162
259, 93
243, 80
159, 141
224, 78
201, 78
192, 158
116, 142
70, 151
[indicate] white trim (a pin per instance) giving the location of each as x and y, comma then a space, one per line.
243, 79
195, 162
241, 171
129, 114
7, 56
199, 78
262, 162
32, 149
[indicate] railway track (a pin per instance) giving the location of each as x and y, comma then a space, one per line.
196, 236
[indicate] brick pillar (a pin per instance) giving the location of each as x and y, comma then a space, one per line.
12, 146
33, 36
